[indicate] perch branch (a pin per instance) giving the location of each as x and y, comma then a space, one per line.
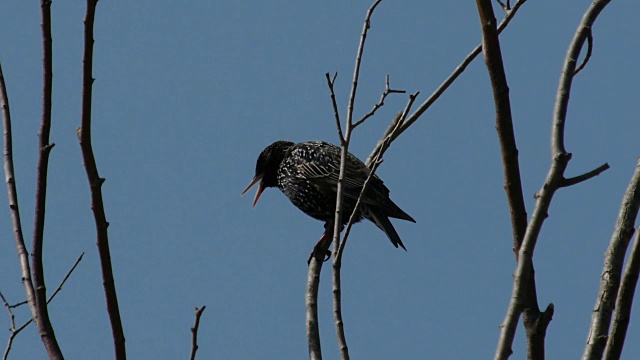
311, 293
344, 150
612, 270
95, 185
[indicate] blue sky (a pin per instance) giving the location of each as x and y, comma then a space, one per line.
188, 94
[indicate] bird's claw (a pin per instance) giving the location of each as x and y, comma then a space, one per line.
326, 258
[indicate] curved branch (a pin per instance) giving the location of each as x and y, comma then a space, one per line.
95, 185
568, 72
612, 270
588, 56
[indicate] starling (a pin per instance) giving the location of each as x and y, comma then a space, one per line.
307, 173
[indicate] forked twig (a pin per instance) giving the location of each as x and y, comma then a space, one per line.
15, 331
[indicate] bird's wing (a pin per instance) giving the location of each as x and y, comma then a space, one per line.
326, 171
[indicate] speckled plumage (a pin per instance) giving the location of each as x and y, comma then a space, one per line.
307, 173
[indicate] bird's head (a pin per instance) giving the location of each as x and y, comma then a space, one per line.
267, 167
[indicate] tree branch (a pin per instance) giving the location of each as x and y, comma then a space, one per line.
194, 332
535, 329
95, 185
613, 351
14, 331
41, 314
612, 271
457, 72
12, 194
554, 180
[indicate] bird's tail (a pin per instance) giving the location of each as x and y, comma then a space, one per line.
394, 211
382, 221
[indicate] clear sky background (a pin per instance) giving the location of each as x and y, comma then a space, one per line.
186, 96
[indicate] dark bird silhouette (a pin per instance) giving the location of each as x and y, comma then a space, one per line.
307, 173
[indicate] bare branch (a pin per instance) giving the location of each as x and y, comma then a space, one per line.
14, 331
12, 328
337, 260
458, 70
356, 71
39, 306
613, 351
331, 82
95, 185
387, 91
554, 180
588, 56
535, 329
568, 72
586, 176
66, 277
612, 270
194, 332
12, 194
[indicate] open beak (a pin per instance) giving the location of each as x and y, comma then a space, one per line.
260, 188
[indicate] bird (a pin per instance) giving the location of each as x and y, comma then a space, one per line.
307, 173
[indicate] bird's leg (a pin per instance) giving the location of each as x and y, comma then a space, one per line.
326, 236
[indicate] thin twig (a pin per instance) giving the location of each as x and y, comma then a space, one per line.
379, 104
612, 270
12, 328
615, 343
456, 72
588, 56
66, 277
14, 331
560, 160
584, 177
330, 83
95, 185
194, 332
